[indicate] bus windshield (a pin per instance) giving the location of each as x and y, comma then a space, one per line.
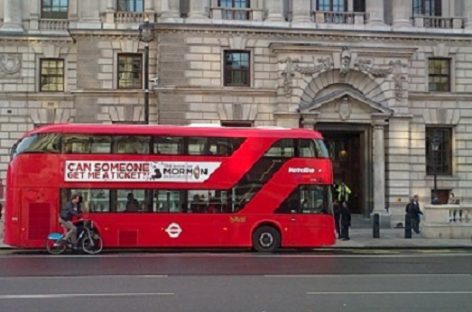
37, 143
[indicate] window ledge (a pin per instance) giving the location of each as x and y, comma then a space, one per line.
452, 178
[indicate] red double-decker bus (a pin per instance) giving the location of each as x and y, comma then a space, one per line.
173, 186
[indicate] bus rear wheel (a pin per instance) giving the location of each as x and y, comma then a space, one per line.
266, 239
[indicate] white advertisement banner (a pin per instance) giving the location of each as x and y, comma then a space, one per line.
138, 171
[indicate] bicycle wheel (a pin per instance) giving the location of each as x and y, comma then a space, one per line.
55, 247
93, 244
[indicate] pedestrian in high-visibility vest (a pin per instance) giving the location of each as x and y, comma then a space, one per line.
343, 192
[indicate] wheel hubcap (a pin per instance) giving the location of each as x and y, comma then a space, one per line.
266, 240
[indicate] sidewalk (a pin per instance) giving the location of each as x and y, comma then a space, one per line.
389, 238
395, 238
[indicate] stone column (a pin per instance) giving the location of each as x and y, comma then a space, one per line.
149, 11
12, 16
34, 15
110, 12
257, 10
468, 15
301, 11
275, 10
379, 167
111, 5
89, 10
198, 9
73, 11
375, 9
170, 10
402, 14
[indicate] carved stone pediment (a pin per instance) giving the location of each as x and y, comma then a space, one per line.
347, 104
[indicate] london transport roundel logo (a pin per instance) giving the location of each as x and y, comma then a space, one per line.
173, 230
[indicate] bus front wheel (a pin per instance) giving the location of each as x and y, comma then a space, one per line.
266, 239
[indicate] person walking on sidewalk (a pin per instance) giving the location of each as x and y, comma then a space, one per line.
337, 217
345, 221
413, 210
343, 191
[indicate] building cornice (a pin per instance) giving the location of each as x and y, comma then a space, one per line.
323, 34
373, 50
232, 91
439, 96
301, 34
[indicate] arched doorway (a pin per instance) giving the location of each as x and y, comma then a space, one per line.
353, 125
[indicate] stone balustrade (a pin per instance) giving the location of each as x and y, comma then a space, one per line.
330, 17
439, 22
53, 24
447, 221
129, 17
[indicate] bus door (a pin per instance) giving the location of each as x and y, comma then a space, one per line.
39, 216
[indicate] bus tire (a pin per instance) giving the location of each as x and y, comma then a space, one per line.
266, 239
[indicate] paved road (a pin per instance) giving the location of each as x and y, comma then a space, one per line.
387, 281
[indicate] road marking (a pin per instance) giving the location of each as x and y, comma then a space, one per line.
345, 276
389, 292
84, 277
60, 296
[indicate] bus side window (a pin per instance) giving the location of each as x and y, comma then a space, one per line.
76, 144
284, 148
100, 144
168, 145
306, 148
131, 145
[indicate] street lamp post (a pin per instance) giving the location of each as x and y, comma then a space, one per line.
146, 35
435, 142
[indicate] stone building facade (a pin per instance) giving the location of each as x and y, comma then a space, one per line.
382, 82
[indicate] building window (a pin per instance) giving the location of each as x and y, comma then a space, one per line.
359, 5
426, 7
439, 74
236, 123
54, 8
439, 161
236, 68
235, 9
51, 75
331, 5
130, 5
130, 71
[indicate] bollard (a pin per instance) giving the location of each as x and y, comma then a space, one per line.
407, 226
376, 225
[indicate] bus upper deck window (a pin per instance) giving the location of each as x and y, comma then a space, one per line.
131, 145
307, 148
38, 143
284, 148
100, 144
76, 144
168, 145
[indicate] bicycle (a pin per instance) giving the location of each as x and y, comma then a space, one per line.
88, 239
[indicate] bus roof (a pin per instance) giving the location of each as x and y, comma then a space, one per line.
173, 130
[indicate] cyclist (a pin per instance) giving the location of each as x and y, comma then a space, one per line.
71, 209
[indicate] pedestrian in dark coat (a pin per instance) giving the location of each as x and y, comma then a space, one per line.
337, 217
413, 210
345, 221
